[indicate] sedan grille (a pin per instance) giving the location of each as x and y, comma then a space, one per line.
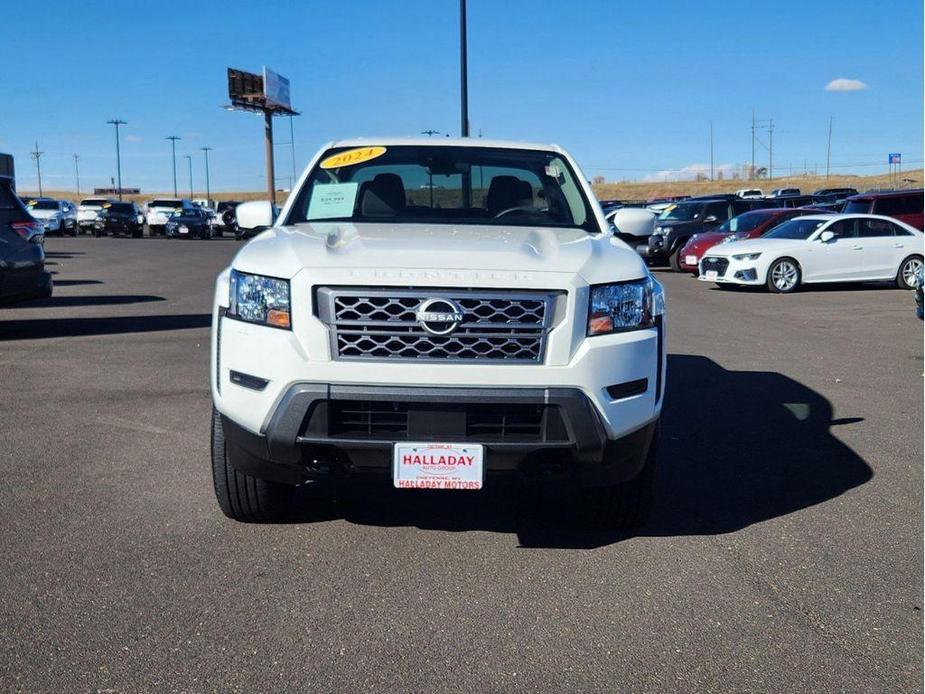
459, 325
720, 265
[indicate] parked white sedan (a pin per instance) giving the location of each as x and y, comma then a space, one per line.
819, 248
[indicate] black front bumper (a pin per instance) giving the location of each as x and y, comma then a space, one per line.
322, 431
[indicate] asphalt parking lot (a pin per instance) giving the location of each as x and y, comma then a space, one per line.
785, 552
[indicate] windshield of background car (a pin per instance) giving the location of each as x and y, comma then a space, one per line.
92, 203
857, 207
165, 203
795, 229
443, 185
742, 224
121, 208
682, 212
43, 205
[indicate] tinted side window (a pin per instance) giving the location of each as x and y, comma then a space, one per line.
874, 228
844, 229
899, 231
904, 204
720, 210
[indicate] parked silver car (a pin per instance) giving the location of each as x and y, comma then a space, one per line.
55, 216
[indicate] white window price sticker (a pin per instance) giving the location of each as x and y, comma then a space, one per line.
331, 200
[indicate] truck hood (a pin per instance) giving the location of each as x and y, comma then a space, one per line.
284, 251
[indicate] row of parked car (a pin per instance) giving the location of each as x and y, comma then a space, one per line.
171, 217
745, 239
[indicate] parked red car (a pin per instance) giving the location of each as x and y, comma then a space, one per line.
904, 205
748, 225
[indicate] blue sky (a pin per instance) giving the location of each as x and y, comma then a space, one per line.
628, 88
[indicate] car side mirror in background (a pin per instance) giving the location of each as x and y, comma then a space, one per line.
826, 236
709, 220
258, 214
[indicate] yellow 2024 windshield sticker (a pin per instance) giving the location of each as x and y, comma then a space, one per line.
351, 157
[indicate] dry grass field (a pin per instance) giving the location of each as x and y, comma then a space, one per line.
623, 191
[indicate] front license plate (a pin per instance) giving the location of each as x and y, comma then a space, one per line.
184, 230
438, 466
691, 260
711, 274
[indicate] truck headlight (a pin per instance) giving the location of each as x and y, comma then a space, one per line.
747, 256
259, 299
625, 306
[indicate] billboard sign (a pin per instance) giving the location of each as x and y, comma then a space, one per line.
276, 89
895, 158
244, 88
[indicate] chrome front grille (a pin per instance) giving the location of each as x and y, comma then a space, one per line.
382, 323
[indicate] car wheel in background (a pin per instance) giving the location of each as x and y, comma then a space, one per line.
907, 270
242, 497
674, 260
784, 276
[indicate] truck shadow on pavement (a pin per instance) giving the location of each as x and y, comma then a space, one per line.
736, 448
42, 328
88, 300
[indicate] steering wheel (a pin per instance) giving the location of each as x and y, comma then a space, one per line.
522, 209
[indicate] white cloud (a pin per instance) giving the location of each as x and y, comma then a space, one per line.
842, 84
132, 138
691, 173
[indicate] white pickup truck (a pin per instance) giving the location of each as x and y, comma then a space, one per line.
158, 211
436, 315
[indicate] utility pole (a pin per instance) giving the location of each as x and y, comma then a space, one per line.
828, 150
771, 150
752, 170
173, 151
208, 191
77, 173
38, 166
711, 150
463, 72
116, 122
189, 160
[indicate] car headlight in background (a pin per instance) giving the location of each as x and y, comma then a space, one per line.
259, 299
746, 256
625, 306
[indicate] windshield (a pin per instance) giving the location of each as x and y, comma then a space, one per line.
443, 185
43, 205
795, 229
682, 212
92, 203
857, 207
742, 224
166, 203
121, 207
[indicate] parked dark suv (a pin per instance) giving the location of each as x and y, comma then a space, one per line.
904, 205
187, 223
22, 256
675, 226
119, 218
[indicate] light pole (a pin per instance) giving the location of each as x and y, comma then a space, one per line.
173, 150
116, 122
292, 147
77, 173
206, 150
38, 166
463, 72
189, 160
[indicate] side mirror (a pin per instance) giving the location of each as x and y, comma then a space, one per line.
709, 220
258, 214
826, 236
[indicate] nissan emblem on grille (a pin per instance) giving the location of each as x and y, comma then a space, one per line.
445, 324
439, 316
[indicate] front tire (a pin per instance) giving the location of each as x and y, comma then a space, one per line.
243, 497
674, 260
784, 276
625, 505
906, 273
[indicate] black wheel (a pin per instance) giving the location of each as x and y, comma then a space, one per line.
73, 231
905, 276
138, 233
242, 497
674, 260
784, 276
625, 505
